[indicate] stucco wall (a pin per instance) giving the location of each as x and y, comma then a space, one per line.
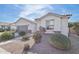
57, 22
64, 26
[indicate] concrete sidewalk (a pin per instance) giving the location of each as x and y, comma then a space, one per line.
2, 51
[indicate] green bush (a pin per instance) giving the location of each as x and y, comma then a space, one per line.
26, 48
6, 36
25, 38
37, 37
60, 41
22, 33
1, 30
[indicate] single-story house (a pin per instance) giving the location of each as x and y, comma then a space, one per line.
51, 22
54, 22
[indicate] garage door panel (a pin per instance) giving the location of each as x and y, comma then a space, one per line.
22, 28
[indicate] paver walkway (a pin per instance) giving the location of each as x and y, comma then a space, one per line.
45, 48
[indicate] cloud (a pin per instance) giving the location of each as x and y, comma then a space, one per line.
20, 6
33, 11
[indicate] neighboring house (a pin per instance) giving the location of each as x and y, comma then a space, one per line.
4, 26
51, 22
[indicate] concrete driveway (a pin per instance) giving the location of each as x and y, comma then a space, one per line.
45, 48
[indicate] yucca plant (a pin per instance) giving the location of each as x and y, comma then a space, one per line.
22, 33
25, 38
60, 41
37, 37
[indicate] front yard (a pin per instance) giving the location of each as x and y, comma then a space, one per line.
17, 45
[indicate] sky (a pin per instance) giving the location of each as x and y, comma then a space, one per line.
12, 12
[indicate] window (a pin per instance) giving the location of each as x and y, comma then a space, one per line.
50, 24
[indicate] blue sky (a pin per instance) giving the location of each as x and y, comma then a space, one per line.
12, 12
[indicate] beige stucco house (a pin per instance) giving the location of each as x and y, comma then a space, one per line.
54, 22
51, 22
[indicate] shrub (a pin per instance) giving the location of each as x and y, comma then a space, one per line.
25, 38
13, 34
1, 30
42, 29
37, 36
26, 48
22, 33
60, 41
6, 36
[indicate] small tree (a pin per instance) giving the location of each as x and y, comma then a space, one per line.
37, 37
70, 25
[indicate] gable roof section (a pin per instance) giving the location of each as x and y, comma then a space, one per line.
25, 20
54, 14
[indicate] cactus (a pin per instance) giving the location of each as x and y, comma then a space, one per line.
60, 41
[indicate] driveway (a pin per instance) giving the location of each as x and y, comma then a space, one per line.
45, 48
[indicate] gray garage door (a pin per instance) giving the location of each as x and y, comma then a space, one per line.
22, 28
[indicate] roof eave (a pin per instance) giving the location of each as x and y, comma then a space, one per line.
67, 15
